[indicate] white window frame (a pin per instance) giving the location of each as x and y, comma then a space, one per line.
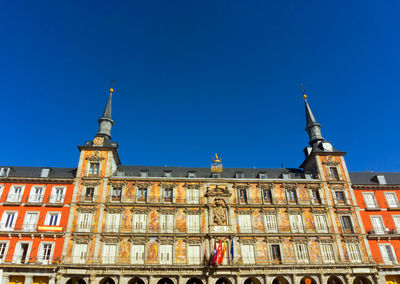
339, 172
192, 195
396, 223
1, 190
190, 228
169, 260
247, 191
12, 196
296, 226
88, 172
245, 223
136, 250
4, 221
28, 226
288, 196
108, 259
395, 199
33, 197
40, 254
271, 227
319, 226
304, 255
367, 204
282, 260
248, 256
17, 257
385, 259
49, 218
353, 228
137, 199
325, 257
164, 226
120, 198
88, 221
80, 253
336, 201
56, 198
113, 223
84, 191
141, 220
354, 252
194, 260
163, 199
4, 253
377, 230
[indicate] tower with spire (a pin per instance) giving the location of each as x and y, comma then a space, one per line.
105, 121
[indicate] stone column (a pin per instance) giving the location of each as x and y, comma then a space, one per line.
52, 280
29, 279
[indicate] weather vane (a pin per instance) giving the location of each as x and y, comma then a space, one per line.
303, 91
112, 85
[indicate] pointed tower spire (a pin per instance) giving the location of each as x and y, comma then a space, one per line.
105, 121
313, 128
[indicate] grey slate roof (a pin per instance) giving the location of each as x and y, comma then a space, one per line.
35, 172
370, 178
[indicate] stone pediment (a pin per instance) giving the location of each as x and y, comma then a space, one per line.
218, 191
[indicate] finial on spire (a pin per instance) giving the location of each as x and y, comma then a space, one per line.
216, 165
105, 121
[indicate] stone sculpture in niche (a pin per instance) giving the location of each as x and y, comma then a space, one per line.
219, 212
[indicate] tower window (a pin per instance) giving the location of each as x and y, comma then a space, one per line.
94, 169
334, 173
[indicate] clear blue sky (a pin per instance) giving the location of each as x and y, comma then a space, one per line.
199, 77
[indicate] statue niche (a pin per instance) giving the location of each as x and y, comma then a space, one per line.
220, 212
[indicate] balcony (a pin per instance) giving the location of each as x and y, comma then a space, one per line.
27, 228
388, 233
8, 259
14, 199
87, 198
35, 199
55, 200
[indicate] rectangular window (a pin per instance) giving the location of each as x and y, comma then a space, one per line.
52, 219
45, 253
387, 252
144, 173
89, 193
262, 175
327, 253
45, 173
137, 255
347, 225
193, 223
354, 252
79, 254
167, 174
302, 255
30, 221
8, 221
267, 196
315, 197
94, 169
243, 195
270, 223
239, 175
57, 195
139, 223
165, 254
168, 194
248, 254
396, 220
291, 195
276, 254
4, 172
110, 253
215, 175
321, 224
377, 224
21, 252
141, 194
84, 222
369, 199
340, 197
296, 223
166, 223
113, 222
15, 194
191, 175
193, 254
3, 252
334, 174
36, 195
193, 195
391, 199
381, 179
116, 193
244, 223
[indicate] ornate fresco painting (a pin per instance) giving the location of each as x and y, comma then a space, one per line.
262, 252
284, 220
180, 193
153, 220
154, 194
180, 221
288, 249
130, 192
91, 253
152, 251
255, 194
308, 220
315, 251
258, 221
124, 251
180, 251
127, 217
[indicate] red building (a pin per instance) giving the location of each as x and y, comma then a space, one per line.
34, 211
378, 195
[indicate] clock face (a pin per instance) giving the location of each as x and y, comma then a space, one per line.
327, 146
98, 141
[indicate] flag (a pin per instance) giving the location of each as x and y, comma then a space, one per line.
232, 250
219, 252
214, 256
223, 253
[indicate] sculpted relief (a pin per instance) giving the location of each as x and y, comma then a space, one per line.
219, 212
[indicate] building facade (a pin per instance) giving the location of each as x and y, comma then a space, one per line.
378, 196
34, 210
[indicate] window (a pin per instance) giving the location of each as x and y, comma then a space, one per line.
191, 175
387, 252
315, 196
89, 193
113, 221
215, 175
321, 224
340, 197
381, 179
396, 220
15, 194
296, 223
193, 223
334, 173
291, 195
369, 198
94, 169
391, 199
45, 253
301, 251
327, 253
8, 221
110, 253
166, 223
165, 254
45, 173
239, 175
137, 255
262, 175
57, 195
144, 173
276, 254
167, 174
243, 195
1, 189
30, 221
21, 252
4, 172
285, 176
347, 225
244, 223
377, 224
270, 223
248, 254
267, 195
141, 194
139, 223
354, 252
36, 195
168, 194
116, 193
52, 219
84, 222
193, 254
3, 252
80, 252
193, 195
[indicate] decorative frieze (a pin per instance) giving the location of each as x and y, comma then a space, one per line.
113, 210
86, 209
95, 157
110, 240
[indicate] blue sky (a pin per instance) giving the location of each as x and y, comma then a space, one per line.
199, 77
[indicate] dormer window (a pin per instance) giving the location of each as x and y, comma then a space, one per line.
215, 175
4, 172
381, 179
144, 173
167, 174
239, 175
308, 176
285, 176
191, 174
45, 173
262, 175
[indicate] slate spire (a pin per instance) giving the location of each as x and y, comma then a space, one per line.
313, 128
105, 121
